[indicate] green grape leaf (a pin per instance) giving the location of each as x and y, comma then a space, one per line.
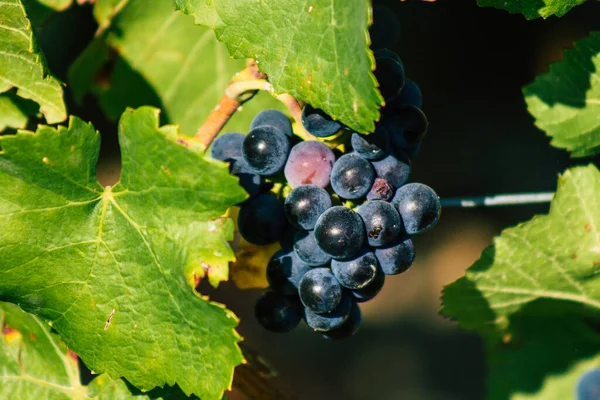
317, 51
566, 100
111, 269
22, 65
106, 10
15, 111
532, 9
156, 56
556, 256
57, 5
542, 359
35, 363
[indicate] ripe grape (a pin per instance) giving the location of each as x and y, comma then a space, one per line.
265, 149
261, 219
357, 272
389, 72
306, 247
382, 222
348, 328
381, 190
371, 147
393, 168
227, 146
419, 207
396, 258
406, 127
340, 232
305, 204
273, 118
319, 290
284, 271
286, 240
333, 320
249, 180
309, 162
410, 95
317, 123
352, 176
588, 386
372, 289
277, 313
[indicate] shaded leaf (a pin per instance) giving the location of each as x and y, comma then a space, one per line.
15, 111
152, 55
542, 359
555, 257
532, 9
22, 65
566, 100
317, 51
106, 266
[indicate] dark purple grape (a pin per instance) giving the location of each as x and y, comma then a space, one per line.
317, 123
371, 147
287, 237
410, 95
357, 272
389, 72
227, 146
352, 176
305, 204
419, 207
265, 149
261, 220
273, 118
588, 385
406, 127
277, 313
309, 162
340, 232
333, 320
396, 258
371, 290
348, 328
393, 168
381, 190
284, 271
249, 180
306, 247
382, 222
319, 290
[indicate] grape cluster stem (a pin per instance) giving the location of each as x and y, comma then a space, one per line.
240, 89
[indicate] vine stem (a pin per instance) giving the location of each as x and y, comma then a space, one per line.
239, 90
512, 199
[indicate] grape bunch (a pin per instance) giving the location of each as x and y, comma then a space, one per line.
344, 220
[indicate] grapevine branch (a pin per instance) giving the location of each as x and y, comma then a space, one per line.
498, 200
239, 90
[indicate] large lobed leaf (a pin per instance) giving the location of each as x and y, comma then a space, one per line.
566, 100
317, 51
22, 65
541, 273
111, 268
153, 55
35, 364
532, 9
